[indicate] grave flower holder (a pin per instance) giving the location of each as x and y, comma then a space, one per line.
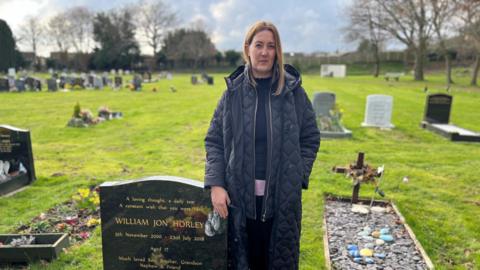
45, 247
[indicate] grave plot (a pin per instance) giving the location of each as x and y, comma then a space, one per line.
328, 115
16, 159
437, 119
368, 234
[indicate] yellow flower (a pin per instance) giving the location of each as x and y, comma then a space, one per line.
76, 198
84, 192
93, 222
95, 199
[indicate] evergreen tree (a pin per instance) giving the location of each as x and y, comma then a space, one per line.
8, 54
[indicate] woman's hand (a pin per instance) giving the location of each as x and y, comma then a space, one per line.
220, 200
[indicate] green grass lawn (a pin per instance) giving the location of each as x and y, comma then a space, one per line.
162, 134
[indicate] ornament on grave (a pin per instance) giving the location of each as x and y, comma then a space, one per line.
361, 173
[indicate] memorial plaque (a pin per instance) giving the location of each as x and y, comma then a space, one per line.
437, 108
323, 102
378, 112
161, 222
16, 159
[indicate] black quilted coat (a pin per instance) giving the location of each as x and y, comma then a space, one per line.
293, 142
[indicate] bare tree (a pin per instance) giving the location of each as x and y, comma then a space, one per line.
362, 17
409, 21
469, 14
154, 21
31, 35
58, 30
81, 30
443, 12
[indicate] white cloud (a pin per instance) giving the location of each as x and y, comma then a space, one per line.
305, 26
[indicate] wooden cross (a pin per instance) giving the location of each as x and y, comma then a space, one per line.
360, 173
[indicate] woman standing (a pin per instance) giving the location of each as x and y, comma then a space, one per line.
261, 145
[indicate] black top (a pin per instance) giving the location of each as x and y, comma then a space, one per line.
263, 89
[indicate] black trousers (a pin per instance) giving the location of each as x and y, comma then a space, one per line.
259, 233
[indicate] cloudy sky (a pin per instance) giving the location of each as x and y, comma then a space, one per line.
305, 26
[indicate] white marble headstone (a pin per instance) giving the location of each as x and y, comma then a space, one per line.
378, 112
11, 72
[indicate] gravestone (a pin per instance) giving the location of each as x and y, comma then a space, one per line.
52, 84
161, 222
16, 159
79, 82
97, 82
378, 111
137, 82
194, 79
328, 117
118, 82
20, 85
12, 73
4, 87
437, 119
437, 108
323, 102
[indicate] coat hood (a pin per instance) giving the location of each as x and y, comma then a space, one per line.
241, 74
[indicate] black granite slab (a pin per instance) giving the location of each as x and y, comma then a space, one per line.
160, 222
437, 108
16, 149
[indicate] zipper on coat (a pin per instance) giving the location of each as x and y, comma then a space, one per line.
254, 127
269, 160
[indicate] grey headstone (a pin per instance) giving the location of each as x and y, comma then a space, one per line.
97, 82
52, 84
323, 102
20, 85
378, 111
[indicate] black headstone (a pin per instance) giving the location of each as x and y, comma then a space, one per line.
118, 81
161, 222
437, 108
4, 85
16, 151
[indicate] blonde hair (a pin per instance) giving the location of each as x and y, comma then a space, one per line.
278, 63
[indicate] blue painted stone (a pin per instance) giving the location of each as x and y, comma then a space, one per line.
385, 231
352, 247
369, 260
379, 255
357, 259
386, 237
354, 253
